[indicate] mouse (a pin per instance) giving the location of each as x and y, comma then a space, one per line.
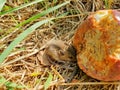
58, 51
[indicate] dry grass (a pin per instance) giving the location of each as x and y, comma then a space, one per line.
23, 65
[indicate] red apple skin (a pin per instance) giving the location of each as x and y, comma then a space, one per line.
97, 42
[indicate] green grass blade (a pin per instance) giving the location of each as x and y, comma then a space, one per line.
2, 3
42, 14
20, 7
106, 4
21, 37
9, 84
48, 81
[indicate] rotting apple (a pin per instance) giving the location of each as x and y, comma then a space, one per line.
97, 42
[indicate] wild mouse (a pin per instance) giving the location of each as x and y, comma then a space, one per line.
58, 51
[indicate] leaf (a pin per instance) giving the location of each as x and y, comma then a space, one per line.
2, 3
35, 74
48, 81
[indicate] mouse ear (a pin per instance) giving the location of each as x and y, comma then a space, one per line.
61, 52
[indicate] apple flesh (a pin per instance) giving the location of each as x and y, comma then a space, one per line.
97, 42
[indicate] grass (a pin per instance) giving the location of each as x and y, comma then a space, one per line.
19, 7
10, 85
29, 30
2, 2
26, 25
48, 81
108, 3
20, 38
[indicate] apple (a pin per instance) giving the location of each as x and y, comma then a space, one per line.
97, 42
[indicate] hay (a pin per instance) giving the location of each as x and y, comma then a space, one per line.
23, 66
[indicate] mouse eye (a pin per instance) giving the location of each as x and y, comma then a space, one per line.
71, 57
61, 52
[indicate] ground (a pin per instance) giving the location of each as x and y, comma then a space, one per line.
23, 65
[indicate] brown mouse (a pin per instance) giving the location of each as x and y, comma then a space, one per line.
58, 51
